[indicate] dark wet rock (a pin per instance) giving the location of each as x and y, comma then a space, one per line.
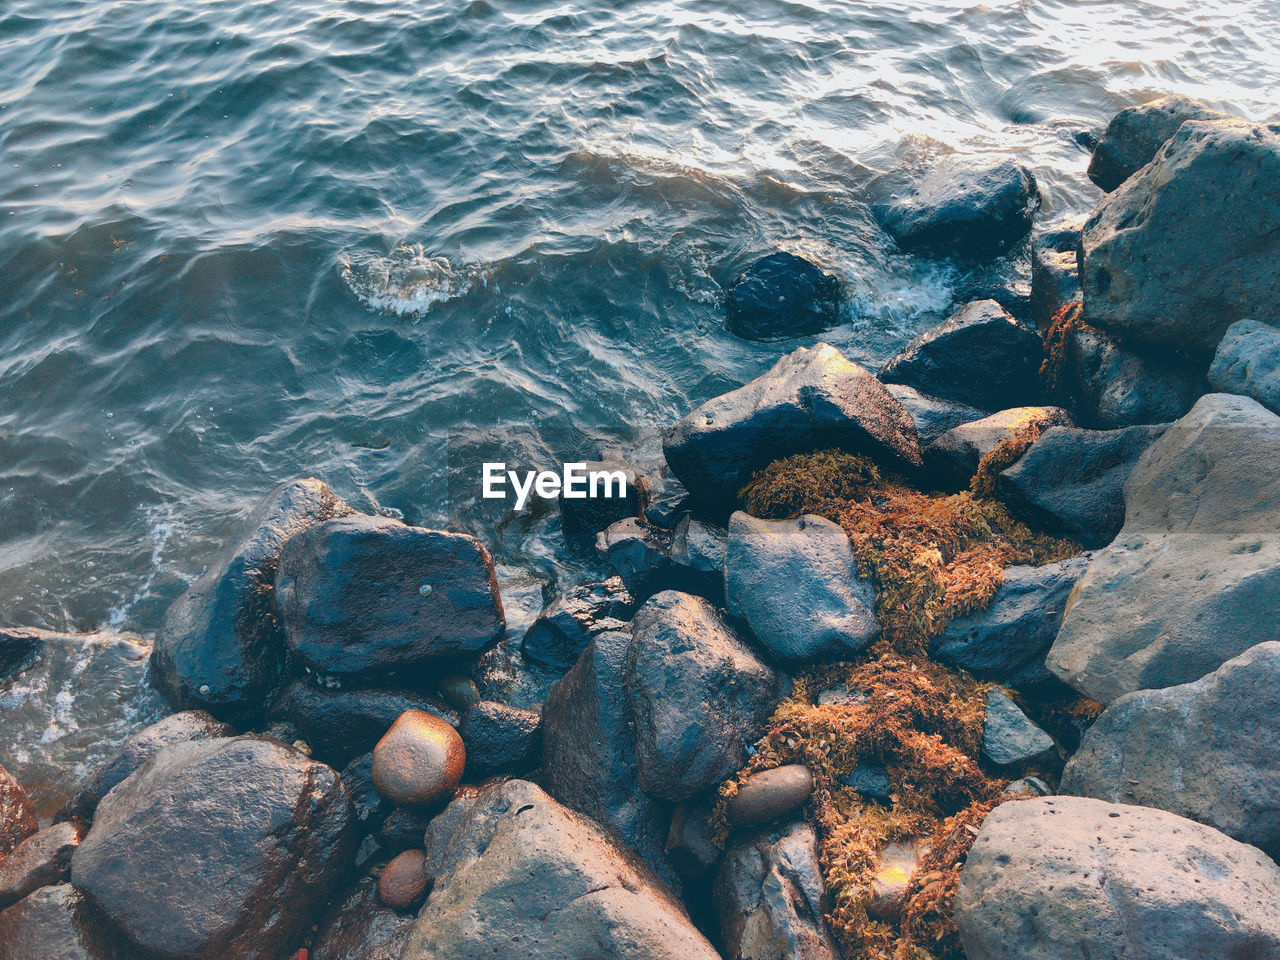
402, 884
1191, 580
369, 807
341, 723
796, 584
524, 876
639, 554
1010, 740
699, 547
770, 898
1028, 787
506, 675
419, 761
18, 647
42, 859
1248, 363
965, 208
402, 830
220, 647
953, 458
811, 399
260, 824
1065, 876
54, 923
360, 927
137, 750
1208, 750
782, 296
17, 816
558, 637
690, 846
869, 779
1191, 243
587, 516
1013, 295
1055, 275
500, 740
698, 696
932, 415
1007, 640
458, 691
769, 794
979, 355
1071, 482
1135, 135
668, 501
362, 595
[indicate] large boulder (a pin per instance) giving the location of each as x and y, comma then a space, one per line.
1248, 363
1191, 243
359, 927
796, 584
217, 849
55, 923
1191, 580
17, 816
953, 458
362, 595
979, 355
782, 296
220, 647
1208, 750
1135, 135
810, 399
523, 876
698, 695
1058, 877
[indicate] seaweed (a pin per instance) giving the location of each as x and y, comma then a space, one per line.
1057, 346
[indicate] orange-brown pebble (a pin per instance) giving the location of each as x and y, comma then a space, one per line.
771, 793
419, 760
403, 883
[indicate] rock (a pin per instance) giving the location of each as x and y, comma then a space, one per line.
782, 296
220, 647
459, 692
360, 927
965, 208
769, 794
690, 847
871, 780
403, 882
699, 548
1146, 268
1135, 135
1013, 294
770, 898
638, 553
138, 749
419, 761
811, 399
217, 849
587, 516
933, 417
53, 923
1028, 787
369, 807
19, 646
1064, 876
560, 634
1055, 277
895, 864
366, 594
1208, 750
500, 739
524, 876
17, 816
1007, 641
42, 859
698, 696
1009, 739
1071, 482
402, 830
668, 501
1248, 363
796, 584
1190, 581
979, 355
953, 458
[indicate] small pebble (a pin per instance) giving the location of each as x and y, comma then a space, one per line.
770, 794
419, 761
403, 883
459, 692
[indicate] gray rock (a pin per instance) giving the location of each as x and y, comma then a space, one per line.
699, 546
690, 847
1135, 135
54, 923
217, 849
18, 647
770, 898
1208, 750
1248, 363
769, 794
1067, 877
42, 859
17, 816
796, 584
780, 297
359, 927
638, 553
524, 876
870, 779
220, 647
812, 398
1028, 787
1071, 481
1192, 578
500, 740
698, 696
564, 628
953, 458
361, 595
933, 416
1010, 740
668, 501
1191, 243
1055, 278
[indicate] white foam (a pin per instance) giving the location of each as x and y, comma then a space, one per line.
410, 281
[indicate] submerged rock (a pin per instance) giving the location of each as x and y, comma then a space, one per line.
419, 761
563, 630
500, 740
1248, 363
1135, 135
782, 296
42, 859
54, 923
360, 927
770, 794
17, 816
953, 458
1010, 740
19, 646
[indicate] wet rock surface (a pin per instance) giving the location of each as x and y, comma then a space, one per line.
419, 761
639, 554
771, 794
1055, 277
1135, 135
19, 646
782, 296
566, 625
360, 927
17, 816
932, 415
55, 923
41, 860
1248, 363
500, 740
586, 516
402, 884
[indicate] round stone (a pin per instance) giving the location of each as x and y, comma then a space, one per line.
459, 691
418, 761
403, 883
770, 794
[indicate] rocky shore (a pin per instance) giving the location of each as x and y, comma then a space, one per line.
976, 655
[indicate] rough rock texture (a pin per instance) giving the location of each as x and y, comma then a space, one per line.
1062, 877
1248, 362
1007, 641
217, 849
699, 548
979, 355
1191, 243
369, 808
782, 296
1055, 277
42, 859
932, 415
698, 696
403, 882
18, 647
812, 398
220, 647
587, 516
965, 208
17, 816
1191, 580
1071, 482
639, 554
770, 899
1208, 750
500, 739
568, 622
1010, 740
54, 923
360, 927
1135, 135
953, 458
668, 501
524, 876
419, 761
796, 584
769, 794
691, 848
